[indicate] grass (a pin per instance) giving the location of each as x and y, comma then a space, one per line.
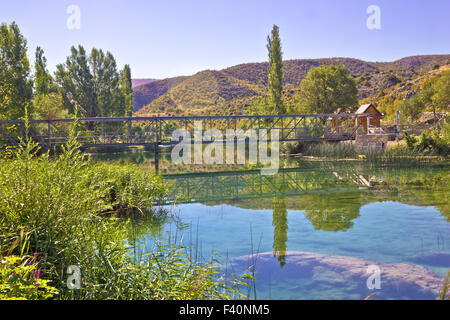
399, 154
63, 210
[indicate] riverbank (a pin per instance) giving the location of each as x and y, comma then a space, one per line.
63, 234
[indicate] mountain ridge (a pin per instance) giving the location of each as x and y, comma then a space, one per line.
236, 85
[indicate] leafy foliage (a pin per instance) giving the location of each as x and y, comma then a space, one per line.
441, 95
43, 81
49, 106
327, 89
92, 83
429, 142
15, 83
127, 90
20, 279
276, 79
59, 209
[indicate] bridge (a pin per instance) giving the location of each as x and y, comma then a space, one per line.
249, 184
155, 131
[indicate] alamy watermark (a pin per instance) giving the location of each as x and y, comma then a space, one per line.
74, 19
373, 22
74, 278
190, 150
374, 280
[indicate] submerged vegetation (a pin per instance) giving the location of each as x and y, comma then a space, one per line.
56, 212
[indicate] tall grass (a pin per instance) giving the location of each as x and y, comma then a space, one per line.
58, 211
400, 154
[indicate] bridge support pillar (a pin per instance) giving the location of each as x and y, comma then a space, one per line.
156, 151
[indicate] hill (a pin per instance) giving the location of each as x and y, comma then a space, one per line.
138, 82
147, 92
233, 88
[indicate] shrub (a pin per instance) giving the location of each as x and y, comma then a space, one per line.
54, 208
428, 142
20, 279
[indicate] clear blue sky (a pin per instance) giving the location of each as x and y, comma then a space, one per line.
167, 38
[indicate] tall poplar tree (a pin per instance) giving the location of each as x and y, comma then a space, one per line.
127, 90
43, 81
106, 83
275, 71
16, 87
77, 84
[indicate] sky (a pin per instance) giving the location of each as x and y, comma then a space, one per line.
167, 38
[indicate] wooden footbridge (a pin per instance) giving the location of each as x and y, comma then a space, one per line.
157, 131
249, 184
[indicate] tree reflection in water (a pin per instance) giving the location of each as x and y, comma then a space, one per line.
333, 212
280, 223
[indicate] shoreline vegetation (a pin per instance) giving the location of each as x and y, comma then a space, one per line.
59, 211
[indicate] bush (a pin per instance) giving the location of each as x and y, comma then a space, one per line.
428, 142
54, 208
20, 279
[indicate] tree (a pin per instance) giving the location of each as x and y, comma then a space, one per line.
15, 83
275, 79
441, 96
92, 83
127, 90
415, 105
43, 81
49, 107
411, 108
106, 83
77, 84
327, 89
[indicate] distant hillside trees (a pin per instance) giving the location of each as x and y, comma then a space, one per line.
16, 86
433, 96
275, 78
441, 95
327, 89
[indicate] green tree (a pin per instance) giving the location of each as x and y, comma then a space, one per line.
43, 81
15, 83
92, 83
127, 90
106, 83
441, 96
327, 89
49, 107
275, 79
415, 105
77, 84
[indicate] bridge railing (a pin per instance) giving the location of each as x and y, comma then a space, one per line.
158, 130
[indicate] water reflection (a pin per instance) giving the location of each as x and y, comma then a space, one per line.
330, 213
336, 221
280, 224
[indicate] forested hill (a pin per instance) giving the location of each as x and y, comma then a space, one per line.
230, 89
